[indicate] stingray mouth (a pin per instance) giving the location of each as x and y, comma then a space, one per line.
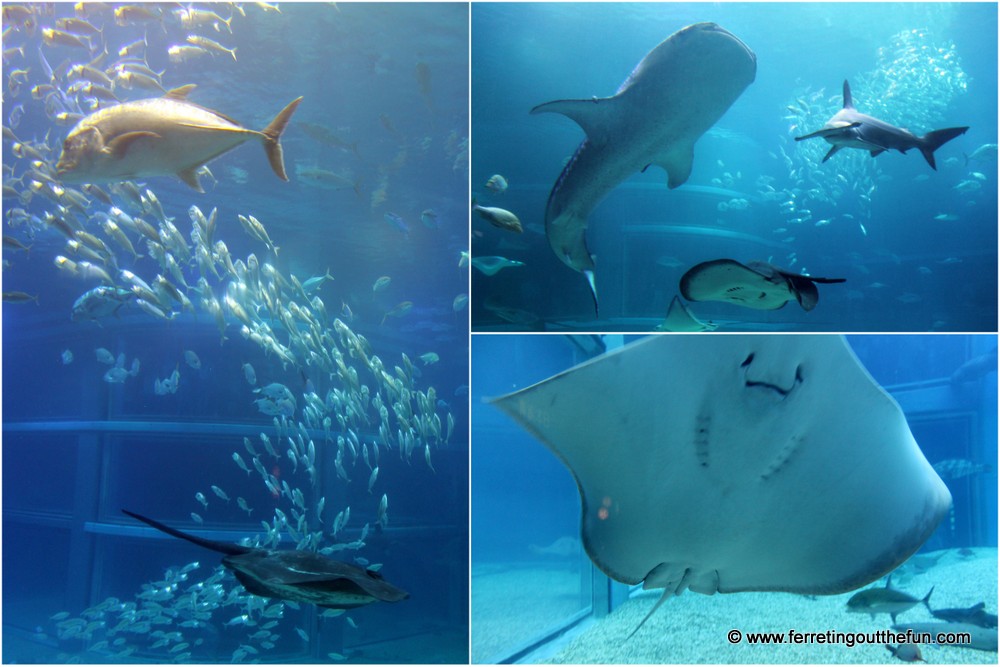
780, 390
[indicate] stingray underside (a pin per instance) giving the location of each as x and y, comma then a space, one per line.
732, 282
736, 463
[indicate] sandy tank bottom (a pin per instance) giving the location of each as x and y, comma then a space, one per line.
509, 608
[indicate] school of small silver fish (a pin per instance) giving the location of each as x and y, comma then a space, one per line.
134, 257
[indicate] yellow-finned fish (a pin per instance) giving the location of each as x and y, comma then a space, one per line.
160, 136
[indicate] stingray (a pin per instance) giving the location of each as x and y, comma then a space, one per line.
757, 285
492, 264
300, 576
680, 319
676, 93
735, 463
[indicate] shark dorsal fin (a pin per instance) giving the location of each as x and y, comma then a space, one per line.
848, 101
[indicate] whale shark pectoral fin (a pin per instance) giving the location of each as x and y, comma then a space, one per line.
594, 116
677, 163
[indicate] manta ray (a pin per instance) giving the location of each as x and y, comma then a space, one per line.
850, 128
756, 285
721, 464
672, 97
300, 576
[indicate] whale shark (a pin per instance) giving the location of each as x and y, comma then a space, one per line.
300, 576
673, 96
849, 128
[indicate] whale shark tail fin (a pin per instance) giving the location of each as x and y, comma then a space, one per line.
933, 140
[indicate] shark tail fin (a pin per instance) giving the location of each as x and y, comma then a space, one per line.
272, 138
933, 140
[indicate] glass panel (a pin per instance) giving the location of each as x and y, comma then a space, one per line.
529, 573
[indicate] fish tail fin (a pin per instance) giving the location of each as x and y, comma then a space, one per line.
927, 599
933, 140
272, 138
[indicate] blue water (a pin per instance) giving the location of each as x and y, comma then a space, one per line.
916, 246
523, 495
387, 87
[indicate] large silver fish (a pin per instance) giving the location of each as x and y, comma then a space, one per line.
672, 97
160, 136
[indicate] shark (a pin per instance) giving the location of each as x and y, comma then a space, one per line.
299, 576
849, 128
673, 96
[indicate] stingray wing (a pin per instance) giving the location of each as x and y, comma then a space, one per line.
737, 463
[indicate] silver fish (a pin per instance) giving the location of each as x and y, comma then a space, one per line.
160, 136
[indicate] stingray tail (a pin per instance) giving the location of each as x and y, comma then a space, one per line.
666, 594
222, 547
933, 140
591, 281
272, 138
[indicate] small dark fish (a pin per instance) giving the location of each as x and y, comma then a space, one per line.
975, 615
19, 297
14, 244
397, 222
